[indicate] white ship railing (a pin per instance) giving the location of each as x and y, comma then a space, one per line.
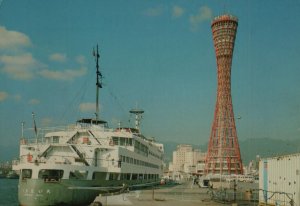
41, 132
69, 160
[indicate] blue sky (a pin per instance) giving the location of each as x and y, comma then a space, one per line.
158, 55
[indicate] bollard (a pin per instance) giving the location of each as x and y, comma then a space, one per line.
152, 193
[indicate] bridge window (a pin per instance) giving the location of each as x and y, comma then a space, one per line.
122, 141
51, 175
26, 174
78, 174
55, 139
134, 176
99, 175
125, 176
113, 176
116, 140
129, 141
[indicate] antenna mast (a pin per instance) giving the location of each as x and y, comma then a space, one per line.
35, 129
98, 82
23, 130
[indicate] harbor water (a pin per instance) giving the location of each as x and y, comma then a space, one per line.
9, 192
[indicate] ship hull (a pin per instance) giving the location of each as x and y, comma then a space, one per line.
39, 193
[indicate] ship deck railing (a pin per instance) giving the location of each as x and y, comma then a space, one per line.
68, 160
32, 138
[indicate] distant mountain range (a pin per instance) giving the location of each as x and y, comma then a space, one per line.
250, 148
264, 147
267, 147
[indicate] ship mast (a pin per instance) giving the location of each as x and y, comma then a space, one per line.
98, 80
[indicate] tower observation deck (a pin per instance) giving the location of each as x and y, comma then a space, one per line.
223, 154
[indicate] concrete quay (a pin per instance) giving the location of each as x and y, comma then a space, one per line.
184, 194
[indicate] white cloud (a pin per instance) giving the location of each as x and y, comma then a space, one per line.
20, 66
3, 96
80, 59
204, 14
46, 122
34, 101
15, 62
156, 11
177, 11
12, 39
68, 74
87, 107
58, 57
17, 97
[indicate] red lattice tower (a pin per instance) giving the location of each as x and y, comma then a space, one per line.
223, 155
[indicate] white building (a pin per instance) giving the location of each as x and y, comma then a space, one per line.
279, 180
201, 165
181, 156
188, 160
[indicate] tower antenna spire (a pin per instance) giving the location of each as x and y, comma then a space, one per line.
98, 79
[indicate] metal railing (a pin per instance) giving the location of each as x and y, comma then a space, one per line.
275, 197
250, 197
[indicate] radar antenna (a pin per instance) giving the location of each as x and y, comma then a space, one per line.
138, 116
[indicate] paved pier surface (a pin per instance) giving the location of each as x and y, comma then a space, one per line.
180, 195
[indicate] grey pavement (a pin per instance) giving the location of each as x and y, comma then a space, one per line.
180, 195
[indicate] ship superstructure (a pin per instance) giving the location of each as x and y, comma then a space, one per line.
72, 165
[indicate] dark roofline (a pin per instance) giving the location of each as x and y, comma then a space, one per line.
91, 121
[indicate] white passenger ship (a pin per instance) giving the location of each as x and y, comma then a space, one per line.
74, 164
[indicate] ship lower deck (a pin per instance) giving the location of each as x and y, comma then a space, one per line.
38, 192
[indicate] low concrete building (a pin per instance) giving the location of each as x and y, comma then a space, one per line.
279, 180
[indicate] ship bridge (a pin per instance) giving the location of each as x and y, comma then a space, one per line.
90, 121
